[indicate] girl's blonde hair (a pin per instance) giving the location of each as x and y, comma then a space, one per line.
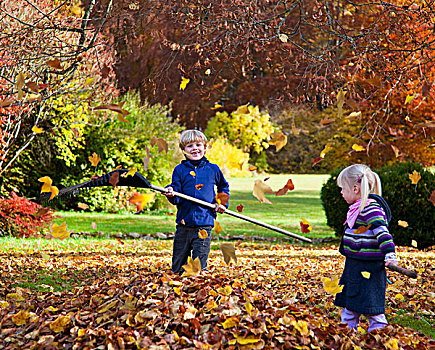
362, 176
189, 136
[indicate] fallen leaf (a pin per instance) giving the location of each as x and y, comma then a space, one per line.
218, 228
331, 285
365, 274
287, 187
259, 191
222, 198
295, 131
202, 234
396, 151
402, 223
59, 232
199, 186
192, 268
278, 139
94, 159
340, 102
142, 199
415, 177
283, 37
239, 208
54, 63
230, 322
354, 115
42, 211
7, 102
20, 318
410, 98
114, 178
327, 121
184, 82
59, 324
228, 251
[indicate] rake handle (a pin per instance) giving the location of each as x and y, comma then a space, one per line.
403, 271
233, 213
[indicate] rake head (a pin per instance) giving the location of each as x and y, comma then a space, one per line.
137, 180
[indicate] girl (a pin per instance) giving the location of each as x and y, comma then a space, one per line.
367, 246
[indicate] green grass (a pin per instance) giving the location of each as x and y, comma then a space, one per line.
48, 281
418, 321
285, 212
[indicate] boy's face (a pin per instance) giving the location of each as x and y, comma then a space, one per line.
195, 150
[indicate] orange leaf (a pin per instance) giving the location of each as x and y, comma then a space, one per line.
202, 234
46, 187
183, 222
415, 177
162, 145
279, 140
240, 207
287, 187
259, 191
218, 228
199, 186
222, 198
142, 199
114, 179
54, 63
361, 229
295, 131
252, 168
94, 159
192, 268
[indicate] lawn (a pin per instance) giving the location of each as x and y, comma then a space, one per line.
285, 212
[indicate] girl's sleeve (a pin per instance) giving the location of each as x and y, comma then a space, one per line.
385, 239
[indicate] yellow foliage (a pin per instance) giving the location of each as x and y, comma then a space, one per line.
231, 160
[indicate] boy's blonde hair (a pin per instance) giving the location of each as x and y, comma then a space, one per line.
189, 136
362, 176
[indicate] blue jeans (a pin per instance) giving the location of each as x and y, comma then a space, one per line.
187, 243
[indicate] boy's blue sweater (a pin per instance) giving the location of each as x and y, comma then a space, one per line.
184, 179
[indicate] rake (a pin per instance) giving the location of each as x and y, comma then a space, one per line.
139, 181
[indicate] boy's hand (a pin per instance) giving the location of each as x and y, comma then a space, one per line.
219, 208
170, 192
391, 262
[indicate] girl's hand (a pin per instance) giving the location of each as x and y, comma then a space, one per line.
391, 262
219, 208
169, 193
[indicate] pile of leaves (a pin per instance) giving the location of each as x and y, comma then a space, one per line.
127, 298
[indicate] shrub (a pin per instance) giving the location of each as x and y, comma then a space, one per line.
408, 203
18, 217
231, 160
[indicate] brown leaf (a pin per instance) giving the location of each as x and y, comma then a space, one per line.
199, 186
260, 189
287, 187
162, 145
7, 102
42, 211
54, 63
114, 178
229, 252
278, 139
115, 107
239, 208
222, 198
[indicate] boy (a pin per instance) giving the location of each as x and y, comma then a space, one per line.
196, 177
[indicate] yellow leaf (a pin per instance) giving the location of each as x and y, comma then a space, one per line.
59, 232
46, 187
21, 317
396, 151
392, 344
295, 131
131, 172
89, 81
207, 71
76, 10
106, 307
37, 130
227, 290
357, 148
192, 268
248, 307
414, 243
302, 327
354, 115
325, 150
94, 159
331, 285
54, 192
83, 206
402, 223
184, 82
192, 173
308, 225
283, 38
142, 199
259, 191
202, 234
45, 256
228, 251
177, 290
230, 322
399, 296
365, 274
59, 324
278, 139
250, 339
216, 106
218, 228
415, 177
410, 98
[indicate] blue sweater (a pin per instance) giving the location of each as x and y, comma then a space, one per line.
184, 179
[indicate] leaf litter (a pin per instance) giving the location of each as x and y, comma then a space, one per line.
125, 297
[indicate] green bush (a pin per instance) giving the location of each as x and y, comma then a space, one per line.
407, 202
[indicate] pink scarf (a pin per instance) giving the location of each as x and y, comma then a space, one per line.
354, 211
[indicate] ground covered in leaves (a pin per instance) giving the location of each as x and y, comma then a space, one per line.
124, 296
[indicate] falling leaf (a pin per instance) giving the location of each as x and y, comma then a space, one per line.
182, 222
305, 226
278, 139
192, 173
252, 168
184, 82
115, 107
131, 172
207, 71
318, 159
228, 251
222, 198
94, 225
365, 274
216, 106
37, 130
396, 150
46, 187
59, 232
94, 159
239, 208
54, 63
340, 102
162, 145
199, 186
218, 228
432, 197
287, 187
192, 268
362, 229
20, 84
259, 191
414, 243
146, 159
54, 192
42, 211
415, 177
410, 98
357, 148
83, 206
202, 234
59, 324
354, 115
325, 150
402, 223
114, 178
283, 37
142, 199
331, 285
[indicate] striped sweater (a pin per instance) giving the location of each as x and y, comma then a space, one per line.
369, 239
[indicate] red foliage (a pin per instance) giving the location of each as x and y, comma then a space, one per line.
21, 217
